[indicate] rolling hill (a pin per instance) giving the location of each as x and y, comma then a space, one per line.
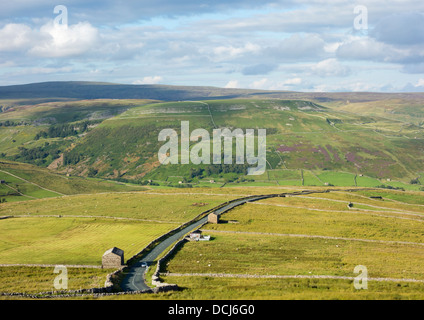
111, 131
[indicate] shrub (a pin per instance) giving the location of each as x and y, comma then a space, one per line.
415, 181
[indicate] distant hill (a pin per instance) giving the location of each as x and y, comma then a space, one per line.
102, 90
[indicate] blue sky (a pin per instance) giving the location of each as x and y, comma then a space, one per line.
283, 45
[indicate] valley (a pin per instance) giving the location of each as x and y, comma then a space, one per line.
80, 174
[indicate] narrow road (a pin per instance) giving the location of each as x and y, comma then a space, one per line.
135, 280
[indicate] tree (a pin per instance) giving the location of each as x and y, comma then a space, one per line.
415, 181
92, 172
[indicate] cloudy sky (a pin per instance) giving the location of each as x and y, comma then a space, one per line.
370, 45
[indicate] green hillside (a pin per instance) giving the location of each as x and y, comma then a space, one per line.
22, 182
344, 139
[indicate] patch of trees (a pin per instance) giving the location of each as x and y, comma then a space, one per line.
141, 182
271, 131
92, 172
38, 153
148, 183
415, 181
71, 157
57, 131
32, 154
218, 169
383, 186
9, 123
65, 130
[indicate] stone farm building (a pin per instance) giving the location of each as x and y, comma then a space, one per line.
113, 258
213, 218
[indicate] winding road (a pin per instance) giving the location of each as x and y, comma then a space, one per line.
135, 279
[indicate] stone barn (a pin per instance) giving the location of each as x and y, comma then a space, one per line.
113, 258
213, 218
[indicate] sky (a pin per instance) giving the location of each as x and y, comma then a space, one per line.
299, 45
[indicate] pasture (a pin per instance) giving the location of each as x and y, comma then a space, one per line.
261, 247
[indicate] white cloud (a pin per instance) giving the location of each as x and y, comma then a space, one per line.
149, 80
370, 49
232, 84
264, 84
290, 45
420, 83
289, 84
15, 37
64, 41
293, 81
51, 40
330, 68
225, 52
268, 84
332, 47
348, 86
297, 47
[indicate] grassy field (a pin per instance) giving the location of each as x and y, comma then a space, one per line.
260, 254
315, 235
211, 288
162, 206
403, 197
28, 182
41, 279
74, 230
50, 230
79, 241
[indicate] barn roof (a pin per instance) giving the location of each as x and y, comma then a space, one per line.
114, 250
